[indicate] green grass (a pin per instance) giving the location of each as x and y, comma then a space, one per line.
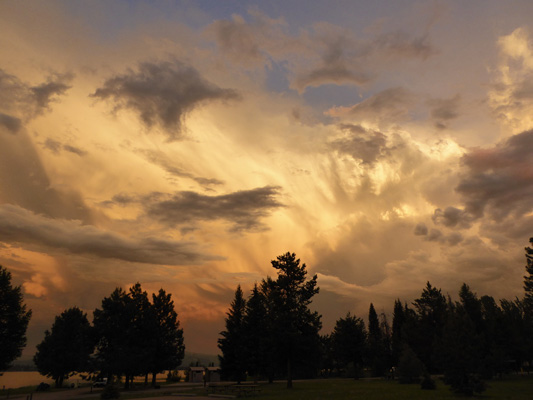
519, 388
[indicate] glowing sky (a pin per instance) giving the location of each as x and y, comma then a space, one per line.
185, 144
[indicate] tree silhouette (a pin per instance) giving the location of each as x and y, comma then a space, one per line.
295, 325
349, 343
14, 319
169, 348
232, 344
67, 347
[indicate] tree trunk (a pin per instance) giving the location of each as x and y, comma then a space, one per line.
154, 379
289, 373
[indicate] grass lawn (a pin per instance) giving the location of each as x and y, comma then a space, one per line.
519, 388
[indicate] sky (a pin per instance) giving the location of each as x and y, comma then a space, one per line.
186, 144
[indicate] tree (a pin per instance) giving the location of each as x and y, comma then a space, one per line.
127, 331
349, 341
295, 325
67, 347
431, 310
14, 319
461, 352
528, 281
232, 343
257, 333
398, 319
376, 349
169, 348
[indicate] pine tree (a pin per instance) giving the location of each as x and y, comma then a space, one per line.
232, 343
14, 319
169, 348
528, 281
398, 319
294, 323
376, 351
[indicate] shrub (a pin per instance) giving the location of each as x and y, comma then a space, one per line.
409, 367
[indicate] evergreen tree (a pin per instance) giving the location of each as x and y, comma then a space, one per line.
431, 310
376, 350
294, 324
232, 343
67, 347
349, 343
14, 319
169, 348
398, 319
528, 281
461, 352
257, 333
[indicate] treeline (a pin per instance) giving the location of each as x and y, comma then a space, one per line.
130, 336
273, 335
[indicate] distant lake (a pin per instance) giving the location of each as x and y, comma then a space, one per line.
16, 379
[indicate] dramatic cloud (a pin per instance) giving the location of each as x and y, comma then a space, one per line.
55, 147
28, 101
361, 144
452, 217
19, 225
336, 68
243, 209
389, 105
162, 94
163, 161
444, 110
499, 180
12, 124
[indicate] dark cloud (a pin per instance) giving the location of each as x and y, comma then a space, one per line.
243, 209
388, 105
347, 60
498, 182
452, 217
17, 97
73, 149
435, 235
444, 110
57, 85
237, 39
161, 160
400, 44
162, 94
336, 67
18, 225
55, 147
25, 182
421, 229
361, 144
12, 124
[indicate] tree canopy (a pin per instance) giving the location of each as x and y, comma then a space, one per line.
66, 348
14, 319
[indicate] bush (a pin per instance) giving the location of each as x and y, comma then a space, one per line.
428, 383
110, 392
409, 367
173, 376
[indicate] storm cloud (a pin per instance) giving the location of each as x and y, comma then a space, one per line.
361, 144
19, 225
498, 181
243, 209
162, 94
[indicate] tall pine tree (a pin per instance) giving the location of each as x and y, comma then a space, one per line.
232, 342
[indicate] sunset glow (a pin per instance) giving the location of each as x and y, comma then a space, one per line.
186, 144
